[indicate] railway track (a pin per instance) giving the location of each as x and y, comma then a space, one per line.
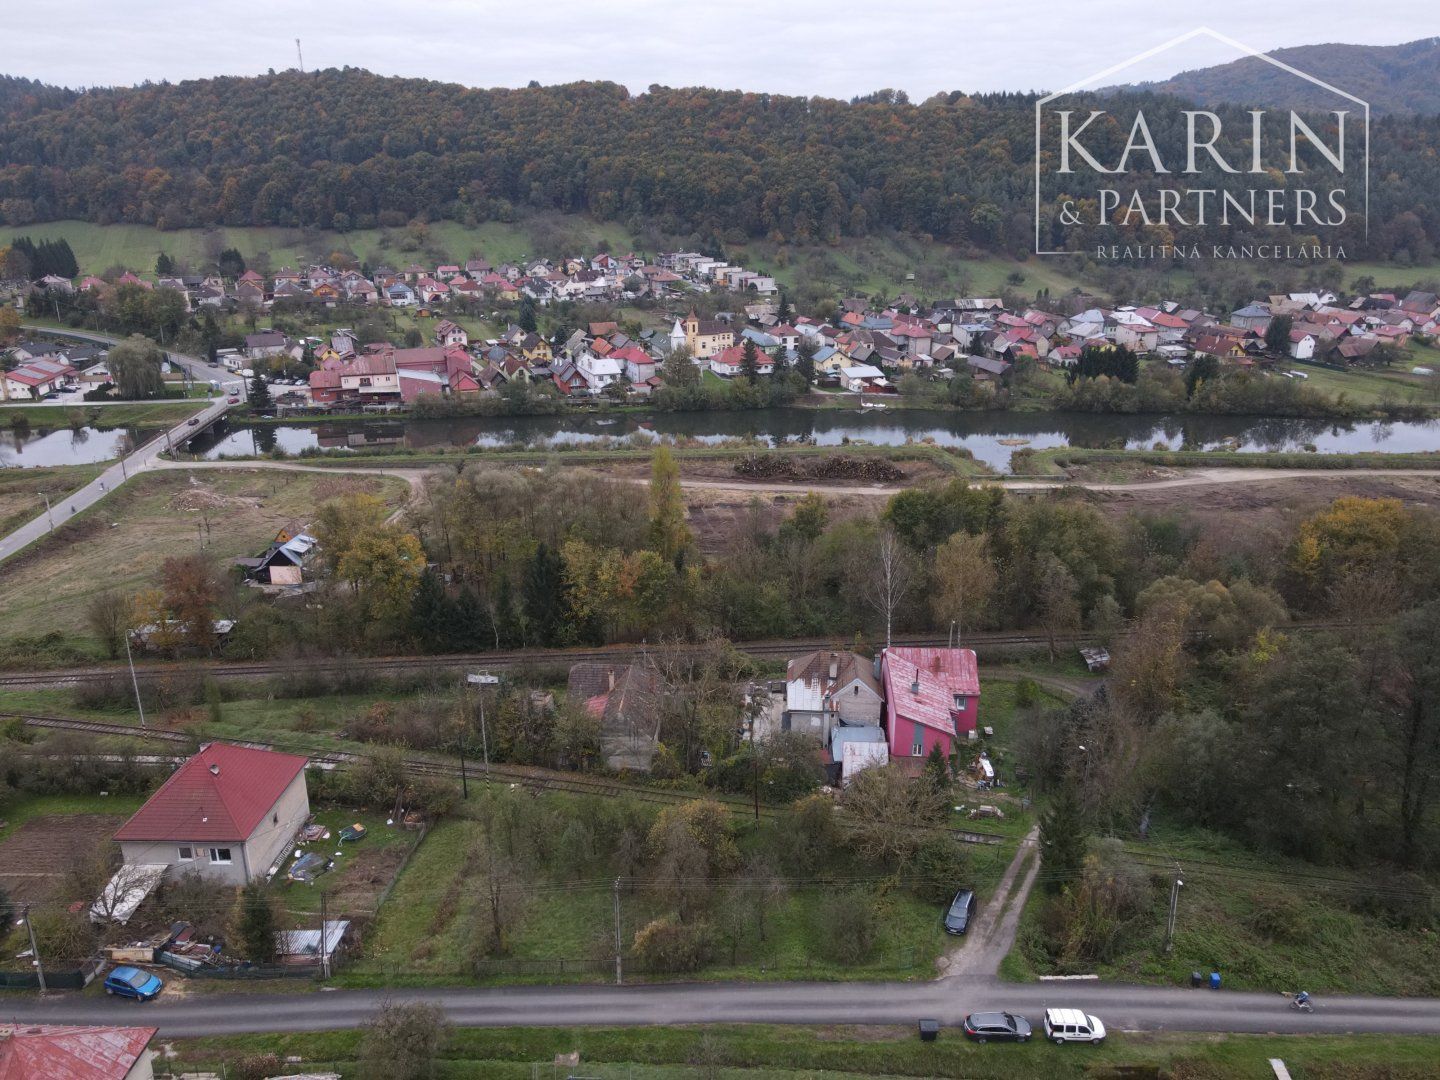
528, 776
390, 665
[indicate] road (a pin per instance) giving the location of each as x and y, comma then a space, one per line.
137, 461
1121, 1007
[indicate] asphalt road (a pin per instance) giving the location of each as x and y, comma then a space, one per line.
1121, 1007
62, 510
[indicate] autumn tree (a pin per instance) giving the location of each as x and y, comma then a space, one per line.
669, 534
1057, 602
690, 846
886, 814
109, 616
192, 589
383, 565
965, 581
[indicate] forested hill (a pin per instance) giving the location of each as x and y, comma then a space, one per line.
346, 148
1397, 79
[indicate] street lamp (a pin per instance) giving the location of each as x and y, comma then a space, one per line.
48, 512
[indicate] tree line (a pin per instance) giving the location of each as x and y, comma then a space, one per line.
322, 150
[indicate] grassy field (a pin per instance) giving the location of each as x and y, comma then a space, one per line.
877, 264
1263, 921
100, 247
422, 935
124, 414
21, 497
1121, 464
122, 541
770, 1052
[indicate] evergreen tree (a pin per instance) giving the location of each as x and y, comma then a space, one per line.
1063, 838
779, 359
255, 923
503, 614
937, 770
433, 615
1277, 335
543, 595
231, 263
259, 394
473, 629
749, 362
164, 267
526, 319
783, 310
805, 360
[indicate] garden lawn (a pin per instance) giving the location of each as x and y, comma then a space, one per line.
363, 868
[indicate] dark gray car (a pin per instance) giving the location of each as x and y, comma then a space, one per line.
961, 913
999, 1026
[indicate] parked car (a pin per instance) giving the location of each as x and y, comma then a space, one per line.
233, 399
1072, 1025
134, 983
1000, 1026
961, 912
193, 421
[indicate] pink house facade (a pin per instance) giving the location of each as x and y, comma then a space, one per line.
932, 697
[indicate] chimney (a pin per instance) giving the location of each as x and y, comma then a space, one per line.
611, 676
214, 768
915, 686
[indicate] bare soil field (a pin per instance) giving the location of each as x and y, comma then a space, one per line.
35, 858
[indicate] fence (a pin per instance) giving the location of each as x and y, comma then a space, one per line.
60, 979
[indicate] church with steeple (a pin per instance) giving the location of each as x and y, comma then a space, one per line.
704, 338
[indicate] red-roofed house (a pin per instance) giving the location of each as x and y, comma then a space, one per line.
932, 697
229, 813
63, 1052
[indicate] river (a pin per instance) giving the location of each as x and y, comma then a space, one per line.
990, 436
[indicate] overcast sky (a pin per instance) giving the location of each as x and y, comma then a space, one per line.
833, 48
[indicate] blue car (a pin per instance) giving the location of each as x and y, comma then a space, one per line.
134, 983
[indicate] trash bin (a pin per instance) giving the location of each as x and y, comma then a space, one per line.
1214, 980
1196, 979
929, 1029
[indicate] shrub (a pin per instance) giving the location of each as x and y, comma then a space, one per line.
850, 927
671, 946
253, 1067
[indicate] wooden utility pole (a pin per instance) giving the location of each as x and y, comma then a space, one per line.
35, 949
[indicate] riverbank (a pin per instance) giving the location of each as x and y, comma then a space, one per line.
1119, 465
101, 416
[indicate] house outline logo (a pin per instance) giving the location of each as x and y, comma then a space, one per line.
1198, 32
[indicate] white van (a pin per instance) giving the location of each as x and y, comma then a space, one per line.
1072, 1025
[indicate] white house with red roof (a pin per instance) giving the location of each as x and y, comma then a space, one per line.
932, 697
229, 813
65, 1052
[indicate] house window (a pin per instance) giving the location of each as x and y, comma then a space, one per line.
220, 855
187, 854
959, 702
918, 746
